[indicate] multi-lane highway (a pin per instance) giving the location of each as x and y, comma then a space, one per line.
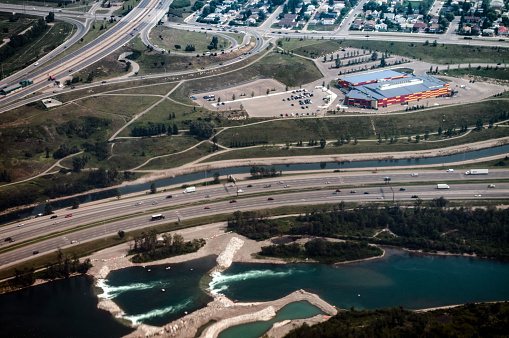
109, 217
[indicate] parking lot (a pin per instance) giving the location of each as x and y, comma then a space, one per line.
253, 97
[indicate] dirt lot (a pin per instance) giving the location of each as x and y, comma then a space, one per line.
254, 99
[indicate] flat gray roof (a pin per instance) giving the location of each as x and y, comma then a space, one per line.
384, 74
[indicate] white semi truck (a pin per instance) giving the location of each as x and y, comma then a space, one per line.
442, 186
477, 172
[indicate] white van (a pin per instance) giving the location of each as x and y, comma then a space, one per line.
414, 175
450, 170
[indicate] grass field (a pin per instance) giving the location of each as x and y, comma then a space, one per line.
238, 37
52, 38
360, 147
167, 38
157, 89
122, 10
365, 127
292, 71
493, 73
321, 28
129, 153
443, 54
179, 159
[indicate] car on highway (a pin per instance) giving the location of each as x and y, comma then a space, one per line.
366, 193
249, 186
380, 198
387, 178
338, 190
54, 216
240, 190
206, 208
103, 81
21, 224
414, 175
353, 192
270, 199
169, 196
154, 203
233, 201
402, 189
328, 182
374, 171
267, 186
35, 252
477, 195
8, 239
68, 215
287, 186
415, 196
207, 196
281, 182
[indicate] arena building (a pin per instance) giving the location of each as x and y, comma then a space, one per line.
362, 79
405, 88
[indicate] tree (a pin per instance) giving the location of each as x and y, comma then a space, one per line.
323, 143
153, 188
75, 203
118, 194
374, 56
382, 62
50, 17
439, 131
48, 209
121, 234
216, 177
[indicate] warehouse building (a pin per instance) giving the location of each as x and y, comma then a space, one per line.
358, 80
400, 90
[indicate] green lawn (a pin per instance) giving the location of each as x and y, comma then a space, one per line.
129, 153
444, 54
178, 159
361, 147
364, 127
493, 73
320, 28
156, 89
167, 38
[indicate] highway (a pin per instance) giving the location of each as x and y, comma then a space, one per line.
314, 189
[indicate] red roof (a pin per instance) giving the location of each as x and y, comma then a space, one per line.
420, 25
502, 29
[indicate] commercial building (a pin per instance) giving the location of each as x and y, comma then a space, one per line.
406, 88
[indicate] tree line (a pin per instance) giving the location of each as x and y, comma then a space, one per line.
146, 247
20, 40
323, 251
469, 320
261, 172
64, 267
154, 129
431, 227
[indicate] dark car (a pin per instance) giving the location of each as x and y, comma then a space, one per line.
415, 196
353, 191
169, 196
8, 239
233, 201
103, 82
338, 190
366, 193
249, 186
54, 216
35, 252
402, 189
270, 199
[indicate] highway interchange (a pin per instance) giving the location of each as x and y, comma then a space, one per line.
184, 206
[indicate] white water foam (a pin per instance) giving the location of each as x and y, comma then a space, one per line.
110, 292
219, 282
139, 318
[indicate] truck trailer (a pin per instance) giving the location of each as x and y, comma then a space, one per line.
442, 186
189, 189
477, 172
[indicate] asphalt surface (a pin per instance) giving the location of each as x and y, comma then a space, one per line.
192, 205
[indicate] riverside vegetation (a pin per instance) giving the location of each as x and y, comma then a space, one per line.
469, 320
146, 247
430, 227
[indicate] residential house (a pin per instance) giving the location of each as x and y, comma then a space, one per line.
325, 21
473, 19
288, 21
434, 28
420, 27
357, 24
382, 27
369, 24
504, 31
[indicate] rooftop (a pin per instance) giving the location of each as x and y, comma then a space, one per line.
373, 76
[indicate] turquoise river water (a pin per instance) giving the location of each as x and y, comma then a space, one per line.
399, 278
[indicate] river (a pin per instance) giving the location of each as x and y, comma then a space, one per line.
400, 278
